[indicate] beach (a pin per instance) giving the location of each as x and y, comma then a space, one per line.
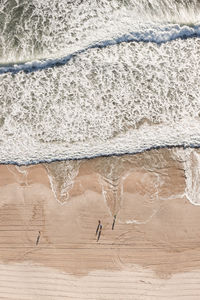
151, 253
100, 149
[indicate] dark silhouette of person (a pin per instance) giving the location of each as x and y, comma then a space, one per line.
100, 228
113, 224
38, 238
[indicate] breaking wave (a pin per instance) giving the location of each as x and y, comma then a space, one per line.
154, 35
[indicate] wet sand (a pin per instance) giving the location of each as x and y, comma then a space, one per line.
152, 253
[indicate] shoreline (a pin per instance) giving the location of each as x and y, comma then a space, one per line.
183, 146
155, 238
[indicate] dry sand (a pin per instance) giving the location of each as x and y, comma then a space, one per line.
152, 253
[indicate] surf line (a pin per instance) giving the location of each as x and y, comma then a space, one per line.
119, 154
152, 35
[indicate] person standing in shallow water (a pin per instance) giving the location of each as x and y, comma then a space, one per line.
38, 238
114, 219
100, 228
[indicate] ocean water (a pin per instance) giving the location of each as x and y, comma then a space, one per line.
85, 78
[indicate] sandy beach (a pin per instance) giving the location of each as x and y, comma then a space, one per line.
153, 252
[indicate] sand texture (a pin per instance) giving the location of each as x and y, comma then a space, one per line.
153, 251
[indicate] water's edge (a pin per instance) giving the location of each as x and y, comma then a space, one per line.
36, 162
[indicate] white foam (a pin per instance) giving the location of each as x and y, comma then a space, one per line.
153, 33
61, 177
52, 29
191, 163
94, 105
111, 181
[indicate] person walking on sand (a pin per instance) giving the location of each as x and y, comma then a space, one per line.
38, 238
97, 230
100, 228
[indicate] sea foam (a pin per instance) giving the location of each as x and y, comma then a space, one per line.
120, 77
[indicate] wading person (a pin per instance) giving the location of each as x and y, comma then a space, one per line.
100, 228
113, 224
38, 238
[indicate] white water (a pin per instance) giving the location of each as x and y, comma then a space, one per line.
122, 98
61, 177
42, 29
191, 163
